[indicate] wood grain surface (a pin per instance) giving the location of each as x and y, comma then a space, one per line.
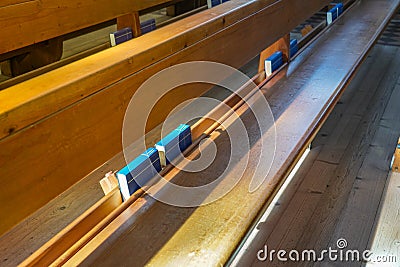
167, 235
78, 109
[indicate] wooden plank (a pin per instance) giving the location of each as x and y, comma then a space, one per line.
357, 219
286, 233
318, 231
78, 45
356, 94
18, 249
176, 18
340, 139
279, 216
294, 219
70, 235
94, 120
384, 241
130, 20
86, 31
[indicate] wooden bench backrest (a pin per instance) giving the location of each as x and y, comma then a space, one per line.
25, 22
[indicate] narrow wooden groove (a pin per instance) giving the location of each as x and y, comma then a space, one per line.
72, 233
9, 3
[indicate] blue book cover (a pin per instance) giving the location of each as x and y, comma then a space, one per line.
121, 36
148, 26
294, 48
339, 8
213, 3
274, 62
138, 172
333, 13
174, 143
330, 17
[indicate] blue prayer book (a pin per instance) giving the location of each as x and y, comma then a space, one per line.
213, 3
339, 8
294, 48
335, 12
174, 144
121, 36
138, 172
274, 62
148, 26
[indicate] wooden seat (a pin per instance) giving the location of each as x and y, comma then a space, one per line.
85, 102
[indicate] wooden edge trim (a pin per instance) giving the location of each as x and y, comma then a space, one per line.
71, 234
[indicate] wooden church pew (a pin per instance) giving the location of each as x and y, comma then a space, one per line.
105, 130
78, 109
33, 30
301, 98
28, 22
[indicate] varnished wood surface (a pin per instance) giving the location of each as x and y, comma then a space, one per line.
129, 58
88, 108
27, 237
167, 235
33, 21
45, 241
340, 188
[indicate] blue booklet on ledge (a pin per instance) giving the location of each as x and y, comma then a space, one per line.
138, 172
274, 62
121, 36
174, 143
148, 26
